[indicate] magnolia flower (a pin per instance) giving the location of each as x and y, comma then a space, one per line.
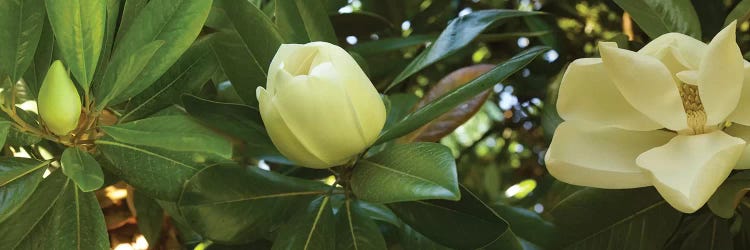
662, 116
320, 109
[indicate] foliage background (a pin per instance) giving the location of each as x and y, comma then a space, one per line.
499, 150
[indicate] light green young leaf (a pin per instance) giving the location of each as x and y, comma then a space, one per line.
82, 168
79, 28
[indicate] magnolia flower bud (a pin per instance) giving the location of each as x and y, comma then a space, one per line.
319, 108
59, 103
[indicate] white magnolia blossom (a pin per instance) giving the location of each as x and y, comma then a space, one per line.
673, 115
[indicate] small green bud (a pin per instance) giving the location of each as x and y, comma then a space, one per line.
59, 103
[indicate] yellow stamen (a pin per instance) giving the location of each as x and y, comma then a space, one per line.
696, 114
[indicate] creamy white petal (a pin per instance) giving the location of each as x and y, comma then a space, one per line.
365, 99
285, 52
673, 48
689, 168
647, 85
720, 75
280, 133
742, 132
600, 157
588, 94
312, 108
742, 113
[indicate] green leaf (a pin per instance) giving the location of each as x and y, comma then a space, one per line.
238, 121
157, 172
20, 226
113, 15
461, 94
411, 239
5, 127
382, 46
592, 218
150, 217
19, 178
701, 230
355, 230
121, 74
407, 172
187, 75
82, 168
367, 23
741, 13
130, 11
174, 132
464, 224
21, 24
661, 17
303, 21
529, 225
245, 56
177, 23
40, 63
79, 27
459, 33
311, 228
76, 222
254, 200
728, 196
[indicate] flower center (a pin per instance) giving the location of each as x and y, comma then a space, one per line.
696, 114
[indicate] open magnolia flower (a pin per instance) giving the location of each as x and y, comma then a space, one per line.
670, 115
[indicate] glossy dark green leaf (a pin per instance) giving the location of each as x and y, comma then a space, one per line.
150, 217
411, 239
21, 225
728, 196
246, 204
42, 60
174, 132
464, 224
302, 21
244, 55
407, 172
452, 99
741, 13
177, 23
19, 178
122, 73
238, 121
701, 231
76, 222
187, 75
661, 17
381, 46
311, 228
130, 11
379, 212
355, 230
459, 33
5, 127
79, 27
17, 137
21, 24
529, 225
113, 15
366, 24
82, 168
590, 218
156, 172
